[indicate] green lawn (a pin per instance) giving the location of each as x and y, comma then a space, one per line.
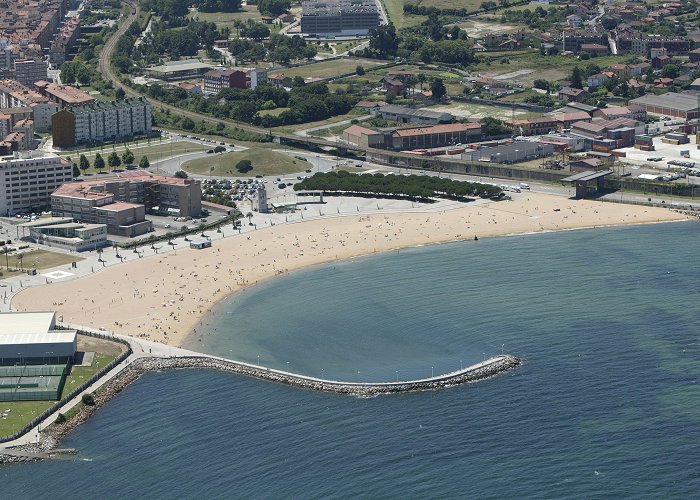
226, 19
272, 112
265, 162
538, 66
38, 259
325, 132
154, 152
334, 119
23, 412
325, 69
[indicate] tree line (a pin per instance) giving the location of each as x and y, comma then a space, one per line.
412, 186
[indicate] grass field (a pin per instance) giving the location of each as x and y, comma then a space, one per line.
532, 65
326, 132
38, 259
265, 162
272, 112
334, 119
154, 152
23, 412
470, 110
226, 19
327, 69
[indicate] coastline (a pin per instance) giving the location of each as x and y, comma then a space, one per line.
165, 297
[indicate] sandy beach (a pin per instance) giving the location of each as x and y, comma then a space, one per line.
163, 297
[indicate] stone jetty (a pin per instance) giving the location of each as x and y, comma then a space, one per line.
51, 437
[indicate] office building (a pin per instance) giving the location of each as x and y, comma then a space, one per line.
338, 17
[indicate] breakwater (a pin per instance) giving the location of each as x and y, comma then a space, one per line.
485, 369
51, 436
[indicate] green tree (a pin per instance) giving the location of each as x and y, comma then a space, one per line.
383, 40
541, 84
181, 174
67, 73
88, 399
113, 160
99, 162
492, 126
76, 171
576, 81
273, 7
144, 163
244, 166
128, 157
84, 163
120, 94
438, 88
256, 31
360, 70
670, 71
188, 123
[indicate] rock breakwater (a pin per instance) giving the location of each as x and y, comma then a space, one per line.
488, 368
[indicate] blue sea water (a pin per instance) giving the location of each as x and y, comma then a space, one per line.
607, 403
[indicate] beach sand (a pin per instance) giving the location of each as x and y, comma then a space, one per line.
164, 297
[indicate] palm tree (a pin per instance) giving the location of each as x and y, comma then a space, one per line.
250, 217
20, 256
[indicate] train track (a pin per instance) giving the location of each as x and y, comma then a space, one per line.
107, 72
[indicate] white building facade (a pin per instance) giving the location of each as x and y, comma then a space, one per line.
27, 181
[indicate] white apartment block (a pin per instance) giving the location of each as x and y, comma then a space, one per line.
100, 121
28, 179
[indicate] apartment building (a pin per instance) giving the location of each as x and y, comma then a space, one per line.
217, 80
338, 17
635, 42
35, 20
64, 41
63, 95
28, 71
28, 179
15, 95
101, 121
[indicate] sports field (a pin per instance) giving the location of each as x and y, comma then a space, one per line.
326, 69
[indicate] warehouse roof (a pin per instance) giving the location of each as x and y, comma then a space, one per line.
26, 322
673, 100
50, 337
